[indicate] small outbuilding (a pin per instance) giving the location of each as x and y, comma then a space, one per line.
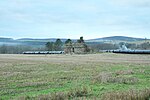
76, 48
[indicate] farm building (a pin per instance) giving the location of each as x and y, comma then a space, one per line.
76, 48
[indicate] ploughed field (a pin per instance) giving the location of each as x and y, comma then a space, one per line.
75, 77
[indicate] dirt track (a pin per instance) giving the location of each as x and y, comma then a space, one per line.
78, 59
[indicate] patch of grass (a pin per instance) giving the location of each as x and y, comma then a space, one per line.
103, 77
74, 77
107, 77
78, 92
72, 94
127, 95
124, 72
124, 80
25, 98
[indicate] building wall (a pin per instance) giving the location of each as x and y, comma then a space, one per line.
77, 48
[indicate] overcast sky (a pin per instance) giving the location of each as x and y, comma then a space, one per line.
74, 18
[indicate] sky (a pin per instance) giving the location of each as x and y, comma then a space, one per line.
74, 18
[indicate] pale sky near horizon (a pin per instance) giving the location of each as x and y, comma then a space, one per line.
74, 18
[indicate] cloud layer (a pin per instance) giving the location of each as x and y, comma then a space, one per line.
66, 18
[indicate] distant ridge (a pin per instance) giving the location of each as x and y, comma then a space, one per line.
30, 41
44, 40
5, 39
117, 38
35, 38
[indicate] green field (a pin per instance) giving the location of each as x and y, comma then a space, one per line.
75, 77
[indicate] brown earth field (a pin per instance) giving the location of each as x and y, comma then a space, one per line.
104, 76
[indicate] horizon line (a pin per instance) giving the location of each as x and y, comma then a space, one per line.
70, 38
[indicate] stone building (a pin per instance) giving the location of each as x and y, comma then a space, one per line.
76, 48
68, 48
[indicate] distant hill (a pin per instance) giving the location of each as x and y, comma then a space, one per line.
42, 42
29, 41
8, 41
5, 39
116, 38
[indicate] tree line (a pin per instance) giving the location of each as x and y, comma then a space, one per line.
58, 45
54, 46
16, 49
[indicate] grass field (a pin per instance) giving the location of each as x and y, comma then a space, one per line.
75, 77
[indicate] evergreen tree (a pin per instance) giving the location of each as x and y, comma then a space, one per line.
81, 40
68, 41
50, 46
58, 45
